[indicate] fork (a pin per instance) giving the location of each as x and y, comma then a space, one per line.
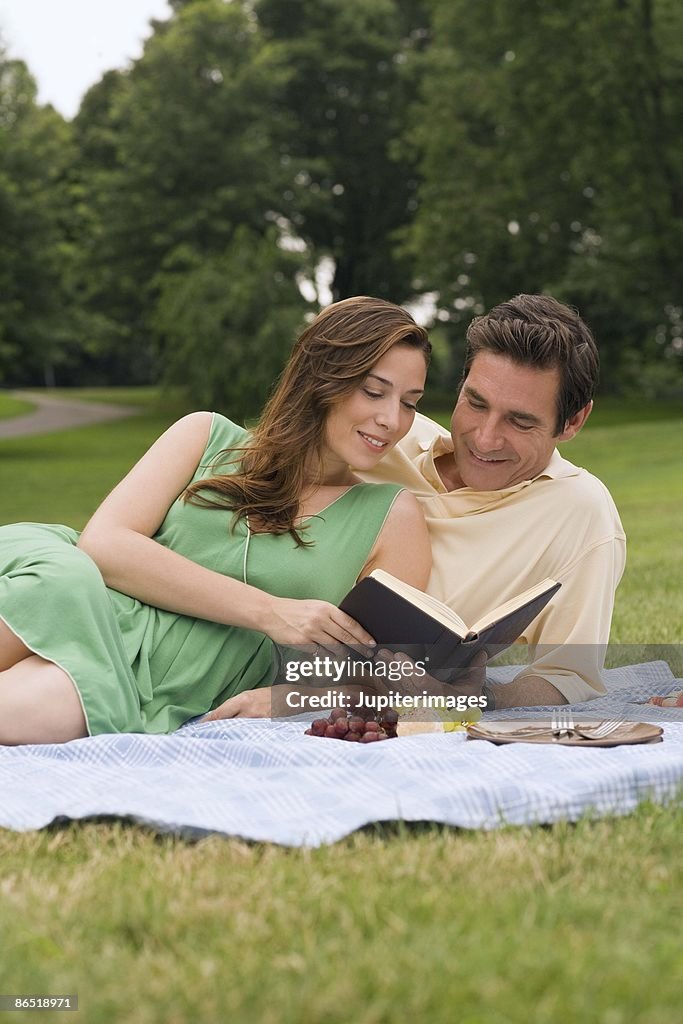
600, 731
562, 724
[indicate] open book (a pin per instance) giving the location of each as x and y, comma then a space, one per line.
402, 618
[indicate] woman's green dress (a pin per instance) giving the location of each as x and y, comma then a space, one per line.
142, 669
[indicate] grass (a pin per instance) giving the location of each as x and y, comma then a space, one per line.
642, 464
147, 397
11, 407
62, 477
561, 924
573, 923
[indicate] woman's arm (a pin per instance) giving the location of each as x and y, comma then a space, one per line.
119, 535
403, 547
119, 540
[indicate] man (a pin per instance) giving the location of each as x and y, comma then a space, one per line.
505, 510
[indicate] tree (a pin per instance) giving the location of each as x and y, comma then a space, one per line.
36, 327
107, 353
229, 320
625, 265
352, 78
551, 158
180, 153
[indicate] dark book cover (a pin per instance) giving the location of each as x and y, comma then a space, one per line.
397, 624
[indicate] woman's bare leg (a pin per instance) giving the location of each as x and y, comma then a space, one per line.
39, 704
12, 649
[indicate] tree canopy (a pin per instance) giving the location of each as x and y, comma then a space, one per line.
465, 151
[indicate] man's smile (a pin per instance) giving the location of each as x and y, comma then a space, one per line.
490, 459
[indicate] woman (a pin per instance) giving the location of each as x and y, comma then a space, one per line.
157, 612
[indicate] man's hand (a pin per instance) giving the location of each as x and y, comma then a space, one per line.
468, 682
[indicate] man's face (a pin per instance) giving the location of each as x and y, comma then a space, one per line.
504, 421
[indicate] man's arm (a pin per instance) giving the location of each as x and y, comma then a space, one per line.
530, 691
570, 636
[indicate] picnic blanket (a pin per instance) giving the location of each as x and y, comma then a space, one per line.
265, 780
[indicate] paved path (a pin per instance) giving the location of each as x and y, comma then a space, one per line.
53, 414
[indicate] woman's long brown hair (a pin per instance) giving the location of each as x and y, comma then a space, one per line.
328, 362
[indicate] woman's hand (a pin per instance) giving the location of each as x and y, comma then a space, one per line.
250, 704
265, 702
294, 623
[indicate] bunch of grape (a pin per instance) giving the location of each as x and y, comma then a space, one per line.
342, 726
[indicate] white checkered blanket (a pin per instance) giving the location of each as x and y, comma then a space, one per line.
267, 781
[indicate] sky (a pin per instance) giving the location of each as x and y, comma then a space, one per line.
69, 44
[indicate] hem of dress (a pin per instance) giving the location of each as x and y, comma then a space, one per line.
52, 661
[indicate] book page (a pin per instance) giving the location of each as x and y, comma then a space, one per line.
496, 614
431, 605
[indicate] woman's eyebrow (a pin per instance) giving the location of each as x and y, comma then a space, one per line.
389, 383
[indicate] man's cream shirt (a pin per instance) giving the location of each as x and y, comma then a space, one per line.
489, 546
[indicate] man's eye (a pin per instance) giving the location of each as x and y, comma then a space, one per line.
372, 394
409, 405
476, 405
522, 426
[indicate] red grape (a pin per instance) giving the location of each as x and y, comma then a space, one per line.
353, 728
389, 717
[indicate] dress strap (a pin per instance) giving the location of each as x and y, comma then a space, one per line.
246, 552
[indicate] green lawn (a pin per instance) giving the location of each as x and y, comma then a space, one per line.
148, 397
569, 924
563, 924
10, 406
642, 464
63, 477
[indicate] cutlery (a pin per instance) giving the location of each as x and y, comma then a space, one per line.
562, 724
600, 731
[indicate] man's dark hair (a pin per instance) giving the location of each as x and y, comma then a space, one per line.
537, 330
